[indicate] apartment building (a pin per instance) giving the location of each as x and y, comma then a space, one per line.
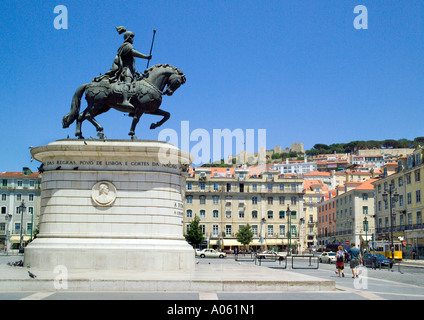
314, 193
18, 188
342, 219
227, 198
295, 167
408, 210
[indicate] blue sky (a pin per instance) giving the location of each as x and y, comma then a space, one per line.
298, 69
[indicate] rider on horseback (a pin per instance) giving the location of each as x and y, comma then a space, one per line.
123, 68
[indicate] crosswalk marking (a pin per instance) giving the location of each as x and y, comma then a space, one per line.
208, 296
38, 296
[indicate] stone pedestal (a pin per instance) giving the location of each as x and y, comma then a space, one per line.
111, 205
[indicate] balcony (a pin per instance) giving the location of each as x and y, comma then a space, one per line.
400, 228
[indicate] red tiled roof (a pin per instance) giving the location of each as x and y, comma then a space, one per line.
19, 175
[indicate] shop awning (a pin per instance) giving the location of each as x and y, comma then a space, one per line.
17, 239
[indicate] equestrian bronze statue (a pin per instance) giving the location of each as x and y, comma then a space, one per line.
124, 89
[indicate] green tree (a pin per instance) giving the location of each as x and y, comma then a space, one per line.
194, 234
245, 235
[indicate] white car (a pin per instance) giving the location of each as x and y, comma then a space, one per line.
210, 253
329, 257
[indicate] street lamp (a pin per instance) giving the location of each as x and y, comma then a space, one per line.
8, 220
288, 212
22, 208
391, 196
261, 239
366, 233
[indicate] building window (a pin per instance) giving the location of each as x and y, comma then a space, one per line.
228, 214
189, 214
3, 197
282, 230
365, 196
282, 200
215, 230
417, 175
418, 196
215, 214
254, 200
3, 210
270, 231
365, 209
228, 230
254, 187
241, 214
202, 214
202, 186
202, 199
282, 214
408, 198
18, 197
20, 183
31, 197
215, 200
270, 214
31, 210
255, 230
17, 227
189, 186
189, 199
254, 214
215, 186
270, 200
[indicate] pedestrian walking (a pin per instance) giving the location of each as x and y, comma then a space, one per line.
340, 261
355, 259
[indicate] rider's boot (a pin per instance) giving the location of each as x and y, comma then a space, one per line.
125, 95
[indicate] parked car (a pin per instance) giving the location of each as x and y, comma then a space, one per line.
373, 260
329, 257
210, 253
269, 255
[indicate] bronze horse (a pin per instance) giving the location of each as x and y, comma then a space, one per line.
146, 97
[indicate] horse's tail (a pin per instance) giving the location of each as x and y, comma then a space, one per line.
75, 107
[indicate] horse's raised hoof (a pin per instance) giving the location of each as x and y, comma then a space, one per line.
101, 135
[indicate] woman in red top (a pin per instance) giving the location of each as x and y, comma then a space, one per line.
340, 261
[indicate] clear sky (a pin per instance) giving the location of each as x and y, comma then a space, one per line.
297, 68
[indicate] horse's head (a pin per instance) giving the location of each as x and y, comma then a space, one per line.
174, 82
166, 78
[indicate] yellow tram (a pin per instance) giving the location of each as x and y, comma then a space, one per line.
383, 247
